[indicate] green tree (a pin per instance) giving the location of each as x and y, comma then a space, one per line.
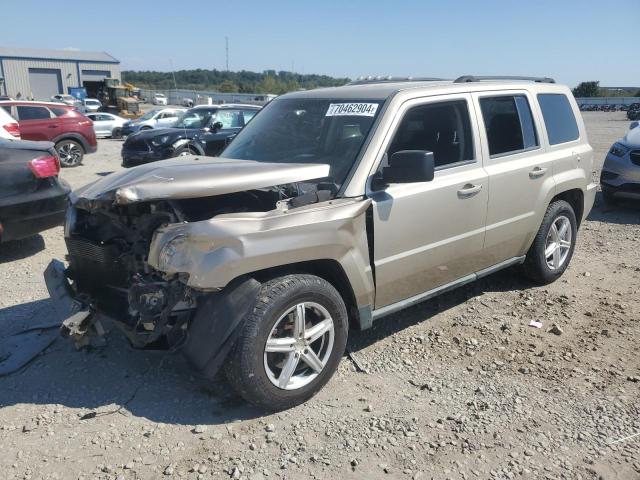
228, 87
637, 94
587, 89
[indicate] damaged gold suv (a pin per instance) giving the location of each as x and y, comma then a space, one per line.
331, 209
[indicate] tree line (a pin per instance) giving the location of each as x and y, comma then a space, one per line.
269, 81
593, 89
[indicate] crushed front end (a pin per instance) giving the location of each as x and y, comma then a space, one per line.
108, 276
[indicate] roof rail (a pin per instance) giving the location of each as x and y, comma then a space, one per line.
475, 78
389, 79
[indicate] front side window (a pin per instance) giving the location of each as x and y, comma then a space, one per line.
509, 124
248, 115
27, 112
307, 130
558, 118
229, 118
195, 119
443, 128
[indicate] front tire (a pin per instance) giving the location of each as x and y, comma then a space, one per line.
291, 344
552, 249
70, 153
185, 151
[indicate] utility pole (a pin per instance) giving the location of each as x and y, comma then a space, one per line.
226, 43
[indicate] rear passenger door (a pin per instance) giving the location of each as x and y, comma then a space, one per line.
428, 234
520, 171
573, 154
37, 123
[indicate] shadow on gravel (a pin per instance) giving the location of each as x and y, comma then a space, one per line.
503, 281
115, 380
19, 249
625, 212
104, 174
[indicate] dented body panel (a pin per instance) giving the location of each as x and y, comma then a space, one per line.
198, 177
225, 247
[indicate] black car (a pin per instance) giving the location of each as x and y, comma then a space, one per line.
633, 113
202, 130
32, 197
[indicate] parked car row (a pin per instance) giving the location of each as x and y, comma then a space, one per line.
588, 107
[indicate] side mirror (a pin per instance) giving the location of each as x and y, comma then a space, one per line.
408, 166
216, 126
634, 125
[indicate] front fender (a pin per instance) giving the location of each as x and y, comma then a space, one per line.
216, 251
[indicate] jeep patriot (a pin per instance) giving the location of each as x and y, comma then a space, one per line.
331, 209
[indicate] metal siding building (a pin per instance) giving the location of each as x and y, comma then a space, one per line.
38, 74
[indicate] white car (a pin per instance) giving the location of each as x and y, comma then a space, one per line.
9, 128
159, 99
107, 124
91, 104
162, 118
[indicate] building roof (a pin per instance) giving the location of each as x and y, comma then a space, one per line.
65, 55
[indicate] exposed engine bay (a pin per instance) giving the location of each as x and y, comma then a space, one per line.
108, 247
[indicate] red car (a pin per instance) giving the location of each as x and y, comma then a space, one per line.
70, 131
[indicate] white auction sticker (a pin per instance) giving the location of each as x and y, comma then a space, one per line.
353, 109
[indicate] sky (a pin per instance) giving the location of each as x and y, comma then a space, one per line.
569, 40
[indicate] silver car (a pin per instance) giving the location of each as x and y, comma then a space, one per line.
620, 176
331, 209
91, 104
107, 124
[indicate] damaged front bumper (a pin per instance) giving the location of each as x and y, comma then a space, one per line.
79, 322
208, 335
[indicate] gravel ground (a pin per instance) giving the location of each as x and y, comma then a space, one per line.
458, 387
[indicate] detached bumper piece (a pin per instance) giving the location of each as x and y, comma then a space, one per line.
80, 323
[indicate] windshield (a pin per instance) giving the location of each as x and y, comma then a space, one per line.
307, 130
159, 95
195, 119
92, 102
149, 115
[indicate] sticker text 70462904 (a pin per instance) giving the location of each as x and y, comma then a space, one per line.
353, 109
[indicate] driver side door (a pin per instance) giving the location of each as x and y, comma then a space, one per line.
430, 234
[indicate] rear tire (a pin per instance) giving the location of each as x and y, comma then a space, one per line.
116, 133
70, 153
276, 363
552, 249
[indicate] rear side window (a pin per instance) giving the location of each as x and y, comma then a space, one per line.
27, 112
443, 128
60, 112
248, 115
558, 117
509, 124
229, 118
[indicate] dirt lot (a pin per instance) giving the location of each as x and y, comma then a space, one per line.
458, 387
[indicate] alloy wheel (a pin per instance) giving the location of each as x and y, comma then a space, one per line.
299, 346
558, 244
70, 154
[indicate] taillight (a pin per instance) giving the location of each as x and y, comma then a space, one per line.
85, 122
13, 129
44, 167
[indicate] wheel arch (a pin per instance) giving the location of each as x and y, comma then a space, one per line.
76, 137
575, 198
328, 269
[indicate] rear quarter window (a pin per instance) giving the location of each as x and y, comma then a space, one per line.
559, 119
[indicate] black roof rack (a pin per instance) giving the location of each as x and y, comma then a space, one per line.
474, 78
389, 79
